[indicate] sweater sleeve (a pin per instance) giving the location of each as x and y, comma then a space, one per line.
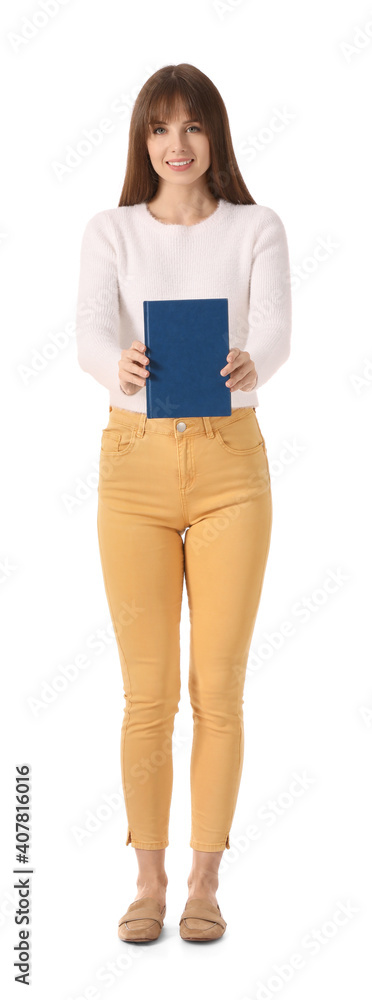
270, 300
97, 315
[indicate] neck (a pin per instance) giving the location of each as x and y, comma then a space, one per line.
183, 198
181, 203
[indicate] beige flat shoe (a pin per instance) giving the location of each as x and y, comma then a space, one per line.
143, 920
201, 921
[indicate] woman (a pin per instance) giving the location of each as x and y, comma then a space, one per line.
186, 227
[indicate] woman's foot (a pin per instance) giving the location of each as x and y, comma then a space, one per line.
133, 928
202, 885
155, 889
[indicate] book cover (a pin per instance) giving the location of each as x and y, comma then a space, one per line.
187, 342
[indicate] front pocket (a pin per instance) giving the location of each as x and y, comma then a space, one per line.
118, 442
242, 436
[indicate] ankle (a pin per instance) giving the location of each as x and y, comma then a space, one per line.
145, 882
203, 879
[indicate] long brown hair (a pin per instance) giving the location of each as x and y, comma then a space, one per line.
167, 88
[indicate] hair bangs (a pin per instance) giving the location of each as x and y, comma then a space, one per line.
176, 99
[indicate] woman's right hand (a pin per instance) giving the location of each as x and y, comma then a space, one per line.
132, 368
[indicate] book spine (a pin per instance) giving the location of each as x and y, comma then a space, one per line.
146, 320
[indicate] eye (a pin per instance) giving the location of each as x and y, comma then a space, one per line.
156, 130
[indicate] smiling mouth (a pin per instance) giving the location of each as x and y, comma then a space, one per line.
179, 163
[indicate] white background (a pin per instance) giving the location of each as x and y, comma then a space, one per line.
308, 703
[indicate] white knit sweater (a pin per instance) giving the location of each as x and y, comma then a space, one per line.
240, 252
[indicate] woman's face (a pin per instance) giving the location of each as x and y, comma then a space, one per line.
179, 139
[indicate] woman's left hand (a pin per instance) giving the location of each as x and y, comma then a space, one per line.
245, 376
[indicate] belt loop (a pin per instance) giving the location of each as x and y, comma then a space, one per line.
110, 408
141, 425
208, 427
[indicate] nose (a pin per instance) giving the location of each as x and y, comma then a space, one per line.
181, 149
179, 154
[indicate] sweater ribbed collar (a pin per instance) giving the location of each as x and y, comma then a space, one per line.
209, 222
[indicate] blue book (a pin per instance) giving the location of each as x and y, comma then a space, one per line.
187, 343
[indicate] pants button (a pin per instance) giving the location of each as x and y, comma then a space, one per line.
181, 426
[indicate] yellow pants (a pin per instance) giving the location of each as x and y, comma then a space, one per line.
207, 477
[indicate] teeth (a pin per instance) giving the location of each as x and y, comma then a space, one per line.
182, 163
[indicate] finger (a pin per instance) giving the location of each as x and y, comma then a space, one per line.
242, 375
238, 366
137, 351
229, 368
242, 383
138, 356
232, 358
135, 379
132, 367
